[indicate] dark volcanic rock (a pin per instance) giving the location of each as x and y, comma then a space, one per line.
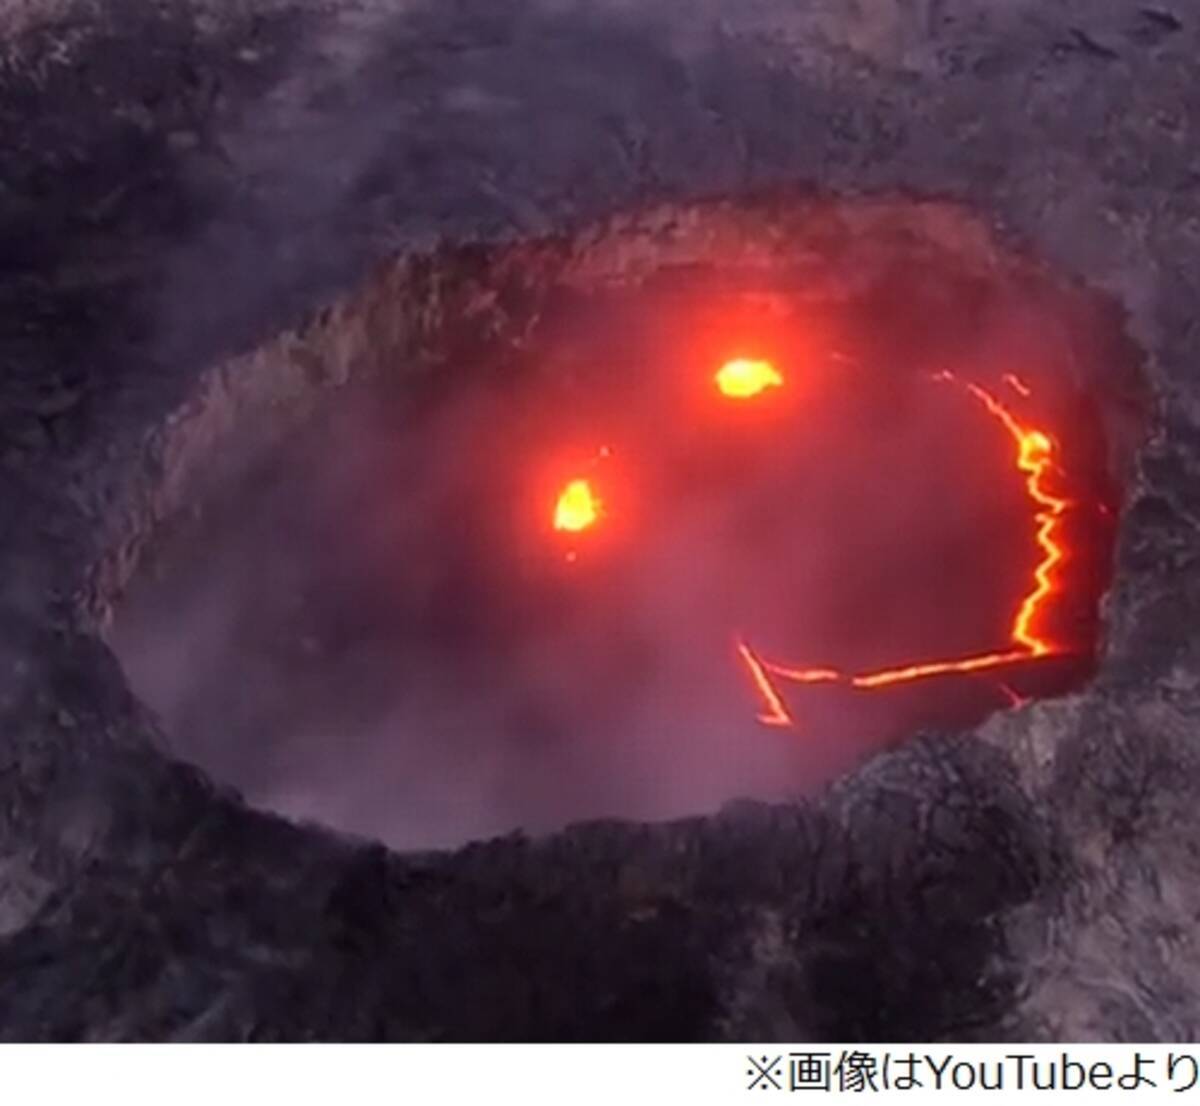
757, 922
179, 184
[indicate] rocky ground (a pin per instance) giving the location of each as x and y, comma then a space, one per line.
180, 182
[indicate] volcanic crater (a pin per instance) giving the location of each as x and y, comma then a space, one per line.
364, 615
311, 313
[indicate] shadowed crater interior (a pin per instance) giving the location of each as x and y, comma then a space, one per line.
380, 618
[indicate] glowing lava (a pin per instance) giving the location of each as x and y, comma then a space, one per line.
577, 507
1017, 384
743, 379
774, 712
1034, 458
1034, 450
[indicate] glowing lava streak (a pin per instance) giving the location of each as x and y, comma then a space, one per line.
1034, 451
774, 712
1034, 460
577, 508
1016, 384
742, 379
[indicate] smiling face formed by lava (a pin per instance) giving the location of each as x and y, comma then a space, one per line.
746, 380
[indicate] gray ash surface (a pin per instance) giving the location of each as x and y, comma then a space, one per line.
182, 183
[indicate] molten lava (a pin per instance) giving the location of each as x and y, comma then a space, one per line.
1034, 450
743, 379
577, 508
1017, 384
775, 712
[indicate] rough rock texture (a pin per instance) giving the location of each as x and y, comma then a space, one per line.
179, 183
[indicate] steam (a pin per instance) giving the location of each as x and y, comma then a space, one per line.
336, 640
377, 628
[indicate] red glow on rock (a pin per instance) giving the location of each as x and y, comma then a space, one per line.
1034, 459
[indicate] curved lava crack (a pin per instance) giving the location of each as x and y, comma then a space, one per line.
1035, 459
